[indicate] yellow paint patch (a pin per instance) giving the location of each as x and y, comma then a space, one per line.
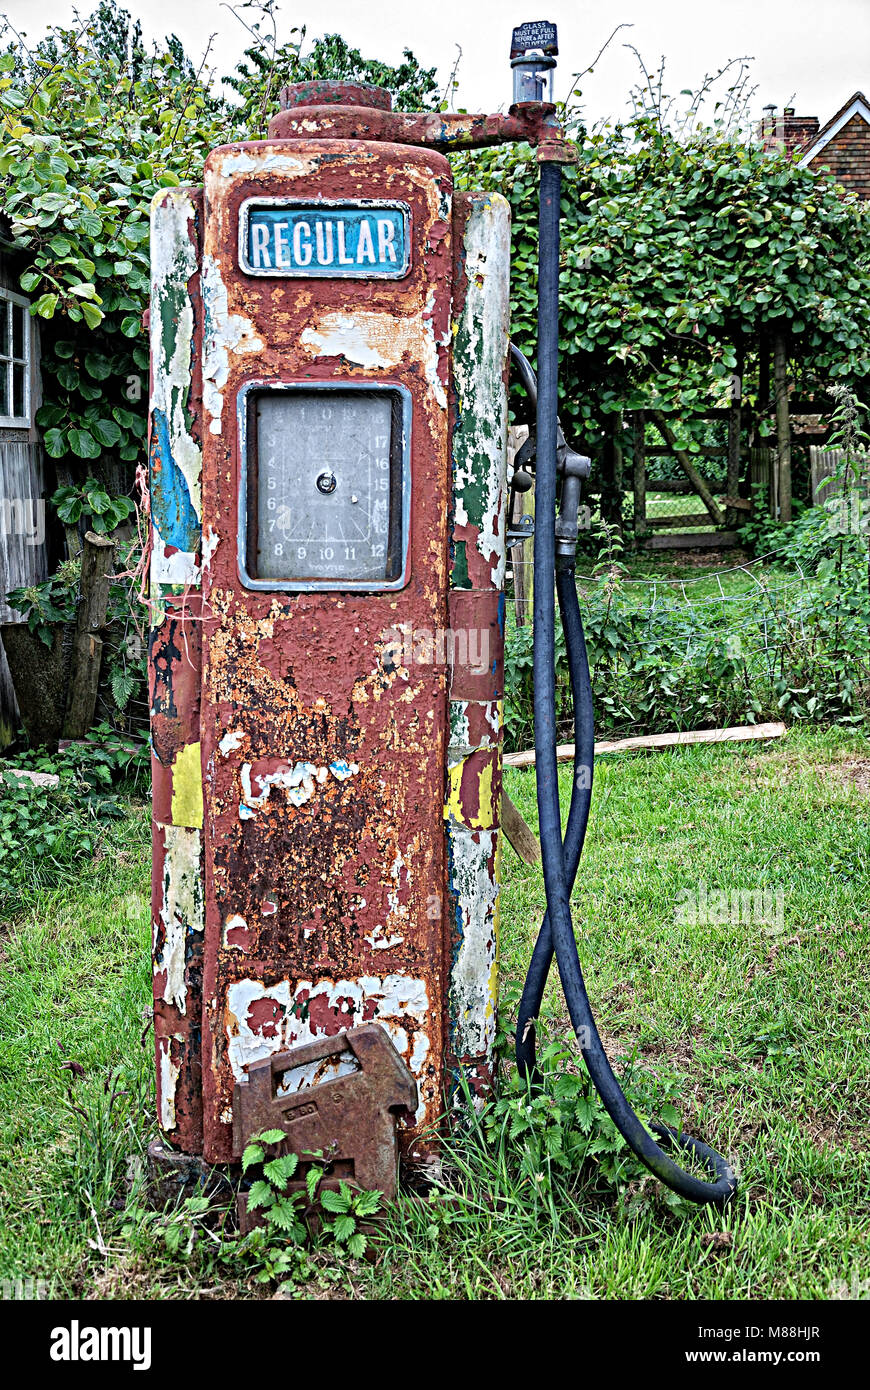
485, 818
187, 787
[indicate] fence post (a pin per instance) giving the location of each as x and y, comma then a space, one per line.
638, 450
783, 428
732, 486
97, 555
618, 466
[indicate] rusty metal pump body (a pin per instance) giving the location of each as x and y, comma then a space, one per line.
326, 751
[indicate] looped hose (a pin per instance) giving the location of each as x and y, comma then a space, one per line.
560, 861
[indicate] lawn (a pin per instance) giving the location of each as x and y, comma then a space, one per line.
758, 1028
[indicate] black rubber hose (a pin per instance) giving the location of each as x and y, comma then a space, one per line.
578, 816
549, 815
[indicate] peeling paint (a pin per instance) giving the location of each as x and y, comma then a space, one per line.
224, 333
180, 912
265, 1020
479, 353
174, 452
231, 740
474, 971
168, 1070
372, 340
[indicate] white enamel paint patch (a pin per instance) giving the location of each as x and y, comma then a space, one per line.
473, 975
167, 1082
179, 567
210, 542
315, 1073
372, 340
478, 373
300, 782
234, 923
272, 162
224, 334
181, 910
231, 740
397, 1002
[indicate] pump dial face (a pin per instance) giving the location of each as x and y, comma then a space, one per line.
328, 485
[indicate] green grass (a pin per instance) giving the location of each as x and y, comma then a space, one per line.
760, 1032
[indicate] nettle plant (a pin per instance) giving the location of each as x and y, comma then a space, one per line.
284, 1209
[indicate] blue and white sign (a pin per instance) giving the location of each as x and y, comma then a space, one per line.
361, 240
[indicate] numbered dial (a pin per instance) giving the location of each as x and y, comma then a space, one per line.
328, 502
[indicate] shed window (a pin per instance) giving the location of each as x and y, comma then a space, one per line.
15, 339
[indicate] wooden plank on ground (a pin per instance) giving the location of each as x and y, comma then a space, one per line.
739, 734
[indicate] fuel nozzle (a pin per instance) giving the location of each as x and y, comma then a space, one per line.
572, 468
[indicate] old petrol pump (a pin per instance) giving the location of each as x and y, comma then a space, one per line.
329, 333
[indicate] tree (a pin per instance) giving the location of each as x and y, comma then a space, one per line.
677, 254
267, 66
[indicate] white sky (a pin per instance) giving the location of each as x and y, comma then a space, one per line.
815, 53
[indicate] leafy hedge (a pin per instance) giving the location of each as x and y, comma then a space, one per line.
791, 643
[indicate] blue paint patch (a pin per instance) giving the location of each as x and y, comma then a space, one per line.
172, 512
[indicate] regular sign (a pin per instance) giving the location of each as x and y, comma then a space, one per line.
363, 240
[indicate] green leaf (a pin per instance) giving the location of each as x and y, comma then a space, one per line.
46, 305
97, 365
343, 1227
281, 1170
270, 1136
284, 1215
367, 1203
260, 1195
106, 431
55, 443
83, 444
334, 1201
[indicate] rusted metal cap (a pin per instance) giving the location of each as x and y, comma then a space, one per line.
325, 93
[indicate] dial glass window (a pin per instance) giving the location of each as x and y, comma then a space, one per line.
326, 487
